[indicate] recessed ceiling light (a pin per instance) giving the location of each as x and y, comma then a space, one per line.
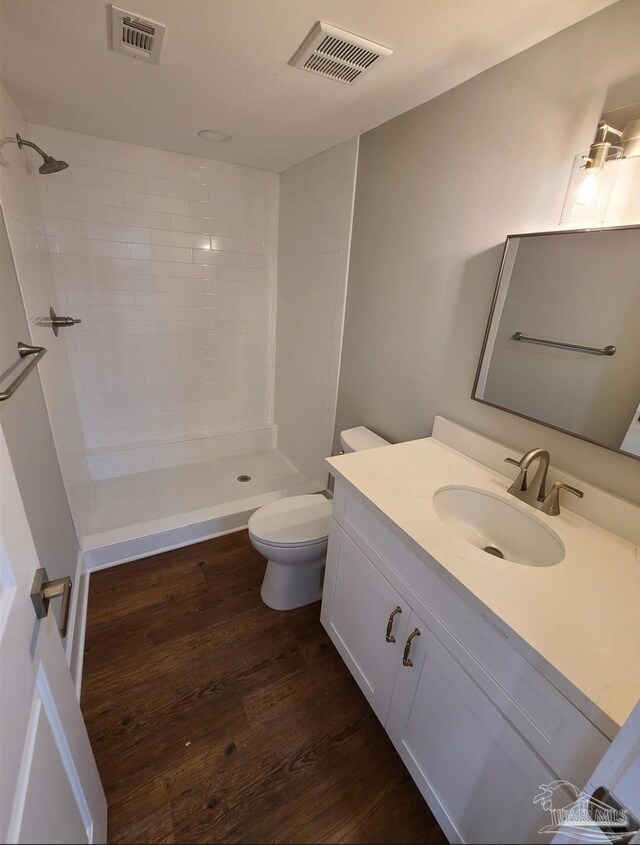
214, 135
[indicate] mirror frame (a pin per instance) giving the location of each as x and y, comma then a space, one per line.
595, 230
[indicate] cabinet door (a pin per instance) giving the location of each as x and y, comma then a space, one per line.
357, 608
477, 773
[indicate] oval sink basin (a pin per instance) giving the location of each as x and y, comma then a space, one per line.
497, 527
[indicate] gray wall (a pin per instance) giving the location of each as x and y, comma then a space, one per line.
316, 210
583, 289
26, 428
438, 189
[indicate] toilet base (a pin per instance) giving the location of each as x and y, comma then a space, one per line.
287, 586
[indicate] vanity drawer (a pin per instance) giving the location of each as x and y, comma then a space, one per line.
569, 743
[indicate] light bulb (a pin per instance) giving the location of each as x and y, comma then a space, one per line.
587, 190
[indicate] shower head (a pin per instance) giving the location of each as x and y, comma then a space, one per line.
50, 164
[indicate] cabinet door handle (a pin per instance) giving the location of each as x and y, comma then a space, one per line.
406, 660
389, 637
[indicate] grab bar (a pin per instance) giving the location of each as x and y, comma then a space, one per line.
23, 350
592, 350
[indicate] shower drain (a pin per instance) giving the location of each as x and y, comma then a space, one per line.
244, 478
492, 550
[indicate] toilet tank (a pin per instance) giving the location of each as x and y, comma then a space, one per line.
360, 438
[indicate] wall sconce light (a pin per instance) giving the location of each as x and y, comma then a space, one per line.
594, 170
592, 178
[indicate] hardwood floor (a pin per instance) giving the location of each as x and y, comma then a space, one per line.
216, 719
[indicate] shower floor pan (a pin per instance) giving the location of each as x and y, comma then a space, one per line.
146, 512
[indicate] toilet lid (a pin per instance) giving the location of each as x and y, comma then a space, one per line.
296, 519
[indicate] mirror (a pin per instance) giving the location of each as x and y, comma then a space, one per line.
562, 346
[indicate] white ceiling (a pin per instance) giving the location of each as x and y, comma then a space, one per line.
224, 66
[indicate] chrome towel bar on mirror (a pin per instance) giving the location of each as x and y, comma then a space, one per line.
592, 350
24, 350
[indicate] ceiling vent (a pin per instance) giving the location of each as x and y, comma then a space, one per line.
337, 54
134, 36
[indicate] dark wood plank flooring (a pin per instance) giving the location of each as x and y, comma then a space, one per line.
216, 719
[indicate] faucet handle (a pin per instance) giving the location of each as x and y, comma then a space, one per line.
552, 500
520, 484
560, 485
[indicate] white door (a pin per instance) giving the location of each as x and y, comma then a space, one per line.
50, 790
365, 618
612, 792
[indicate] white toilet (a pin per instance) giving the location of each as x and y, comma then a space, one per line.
292, 534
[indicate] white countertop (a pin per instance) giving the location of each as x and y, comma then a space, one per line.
580, 617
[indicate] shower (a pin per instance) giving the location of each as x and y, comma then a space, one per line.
153, 442
50, 164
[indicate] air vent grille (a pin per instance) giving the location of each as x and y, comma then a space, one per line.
134, 36
327, 67
137, 34
337, 54
347, 52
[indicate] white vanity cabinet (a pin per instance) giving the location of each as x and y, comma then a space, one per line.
476, 771
366, 619
478, 727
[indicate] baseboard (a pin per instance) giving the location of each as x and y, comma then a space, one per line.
164, 541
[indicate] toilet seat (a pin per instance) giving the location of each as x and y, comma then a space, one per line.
277, 545
294, 521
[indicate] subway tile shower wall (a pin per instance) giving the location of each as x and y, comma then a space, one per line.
170, 262
25, 225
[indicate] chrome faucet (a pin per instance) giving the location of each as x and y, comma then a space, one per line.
535, 493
